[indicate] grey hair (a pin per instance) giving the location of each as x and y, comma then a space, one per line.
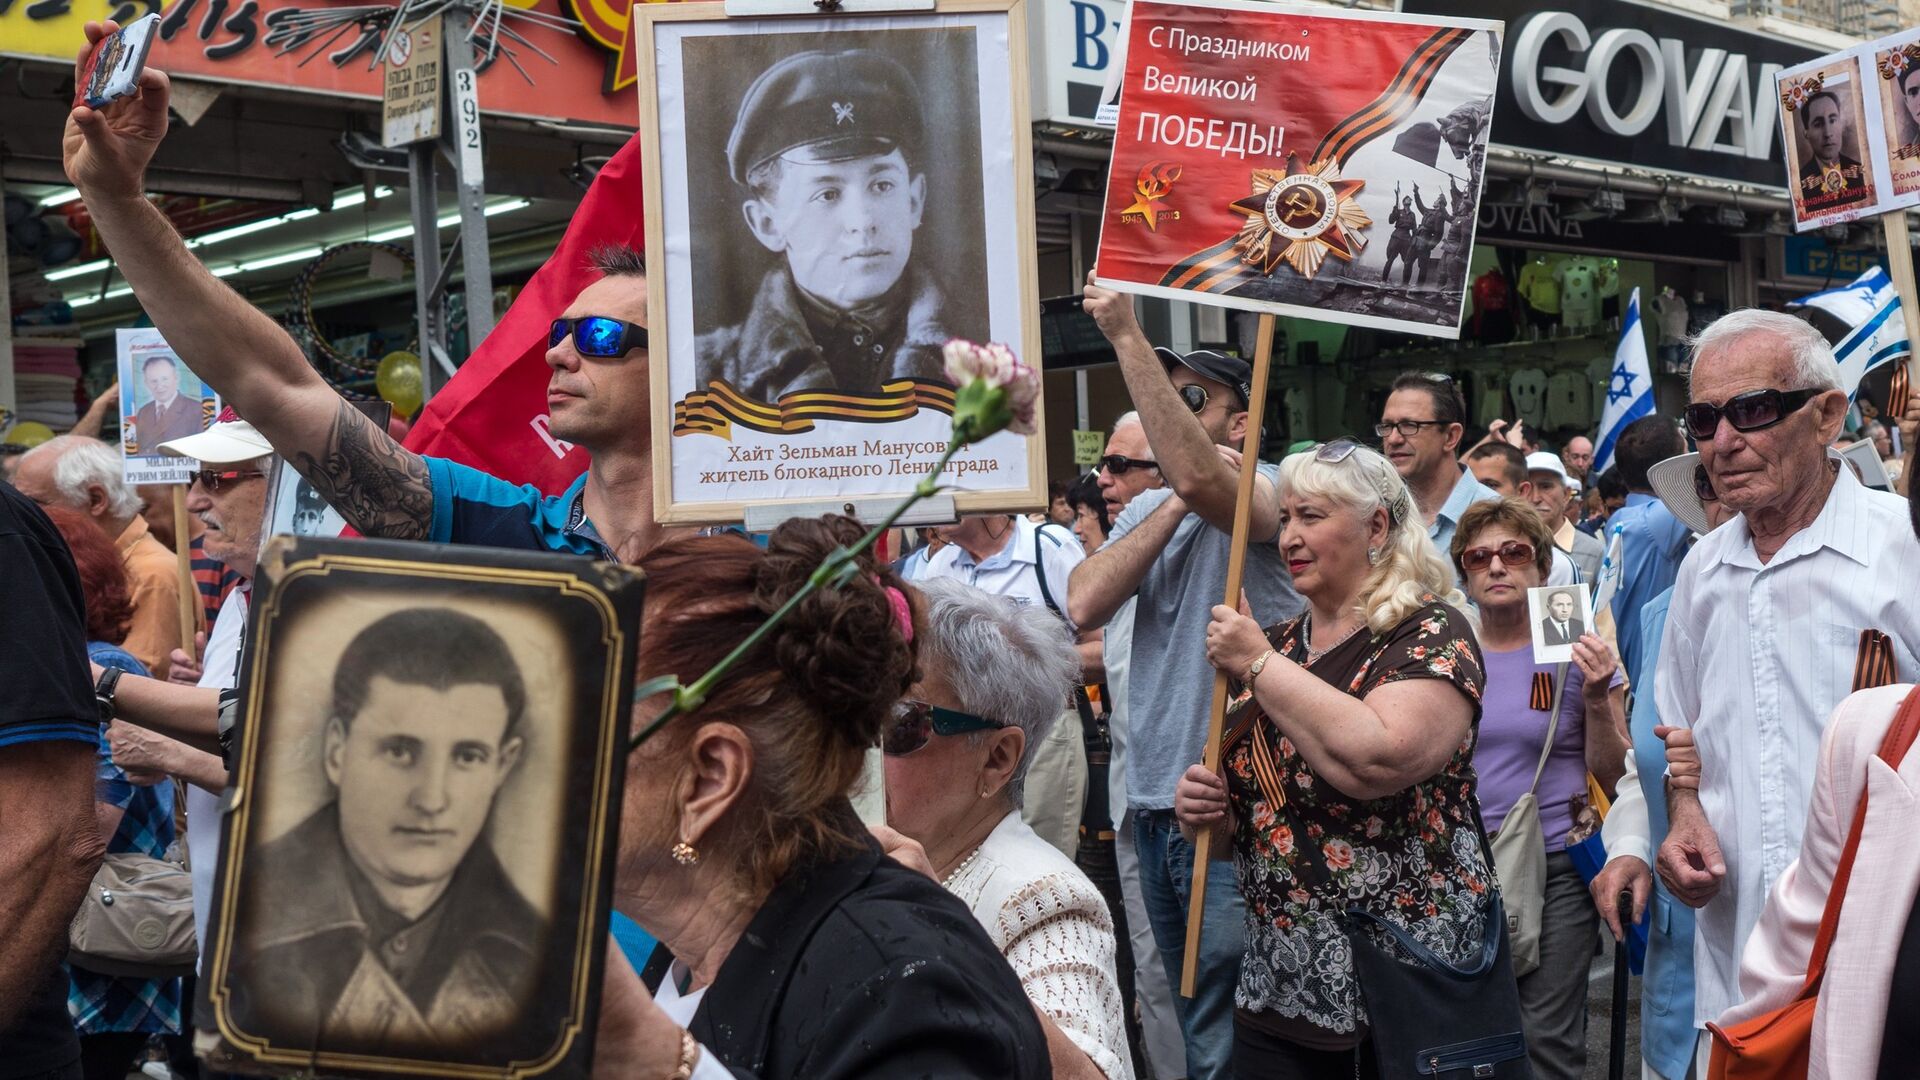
1127, 419
79, 462
1814, 367
1010, 662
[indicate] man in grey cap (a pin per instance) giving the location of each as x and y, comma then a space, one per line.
827, 148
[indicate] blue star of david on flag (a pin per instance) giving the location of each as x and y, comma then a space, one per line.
1629, 391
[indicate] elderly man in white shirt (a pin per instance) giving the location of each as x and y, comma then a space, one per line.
1765, 623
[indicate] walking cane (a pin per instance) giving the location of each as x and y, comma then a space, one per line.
1617, 1047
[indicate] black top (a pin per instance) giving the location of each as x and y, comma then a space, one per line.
47, 696
1900, 1044
859, 967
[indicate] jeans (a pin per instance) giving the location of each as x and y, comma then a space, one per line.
1166, 878
1161, 1039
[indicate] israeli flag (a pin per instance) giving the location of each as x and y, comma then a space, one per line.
1876, 330
1629, 391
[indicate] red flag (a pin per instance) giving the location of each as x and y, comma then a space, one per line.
493, 414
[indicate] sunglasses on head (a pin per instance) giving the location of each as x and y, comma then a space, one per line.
1121, 464
914, 722
1511, 554
1703, 484
1337, 451
212, 479
598, 335
1755, 410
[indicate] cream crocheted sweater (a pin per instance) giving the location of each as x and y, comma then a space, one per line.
1053, 927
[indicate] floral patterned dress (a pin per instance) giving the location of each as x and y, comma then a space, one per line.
1413, 858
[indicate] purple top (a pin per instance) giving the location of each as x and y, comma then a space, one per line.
1511, 732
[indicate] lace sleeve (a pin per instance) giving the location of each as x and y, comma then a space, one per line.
1060, 942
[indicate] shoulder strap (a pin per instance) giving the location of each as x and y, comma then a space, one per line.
1553, 725
1040, 568
1900, 736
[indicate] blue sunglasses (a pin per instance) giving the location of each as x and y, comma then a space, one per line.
597, 335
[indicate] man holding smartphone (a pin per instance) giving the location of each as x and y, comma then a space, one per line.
597, 393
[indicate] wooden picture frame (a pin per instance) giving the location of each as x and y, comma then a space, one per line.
418, 844
734, 429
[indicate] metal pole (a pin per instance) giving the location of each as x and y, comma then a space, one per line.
470, 173
424, 197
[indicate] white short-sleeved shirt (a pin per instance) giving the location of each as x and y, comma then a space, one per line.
220, 670
1016, 569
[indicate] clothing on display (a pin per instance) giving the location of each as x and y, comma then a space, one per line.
1579, 292
1490, 394
1609, 289
1569, 401
1703, 313
1670, 312
1529, 389
1538, 287
1492, 308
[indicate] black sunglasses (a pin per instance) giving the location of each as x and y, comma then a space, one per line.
1121, 464
214, 479
914, 722
1703, 484
598, 335
1755, 410
1195, 397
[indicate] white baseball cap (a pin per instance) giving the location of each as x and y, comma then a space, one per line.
229, 441
1542, 461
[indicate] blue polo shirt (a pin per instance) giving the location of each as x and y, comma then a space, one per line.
473, 507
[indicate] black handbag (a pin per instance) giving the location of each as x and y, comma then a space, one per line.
1431, 1018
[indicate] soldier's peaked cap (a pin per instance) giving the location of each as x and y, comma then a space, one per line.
837, 105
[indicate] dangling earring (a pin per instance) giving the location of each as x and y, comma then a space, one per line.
684, 854
1373, 556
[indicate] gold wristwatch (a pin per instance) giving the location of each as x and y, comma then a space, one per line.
1254, 669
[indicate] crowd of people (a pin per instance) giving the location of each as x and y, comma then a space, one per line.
1401, 787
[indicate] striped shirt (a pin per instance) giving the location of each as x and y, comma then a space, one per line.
213, 578
1754, 659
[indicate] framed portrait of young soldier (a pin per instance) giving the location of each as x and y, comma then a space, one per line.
1830, 152
829, 200
416, 860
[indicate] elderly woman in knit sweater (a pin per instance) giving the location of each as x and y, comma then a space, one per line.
993, 675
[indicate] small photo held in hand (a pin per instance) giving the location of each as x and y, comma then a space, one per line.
1559, 614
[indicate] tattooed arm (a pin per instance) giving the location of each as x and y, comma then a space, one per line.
381, 489
379, 486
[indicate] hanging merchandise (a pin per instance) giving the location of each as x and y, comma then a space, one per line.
1670, 311
1529, 389
1579, 293
1299, 407
1599, 377
1492, 308
1609, 289
1490, 395
1541, 292
1569, 400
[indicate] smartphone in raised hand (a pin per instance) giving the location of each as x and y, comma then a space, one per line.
113, 67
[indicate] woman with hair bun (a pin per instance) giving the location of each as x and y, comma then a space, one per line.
1348, 777
791, 945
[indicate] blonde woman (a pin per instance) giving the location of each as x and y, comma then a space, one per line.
1361, 711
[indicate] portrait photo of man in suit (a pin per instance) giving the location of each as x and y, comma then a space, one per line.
385, 920
1560, 627
168, 414
1829, 176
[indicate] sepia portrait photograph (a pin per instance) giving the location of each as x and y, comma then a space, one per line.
839, 197
161, 400
1559, 615
414, 876
1829, 167
1897, 65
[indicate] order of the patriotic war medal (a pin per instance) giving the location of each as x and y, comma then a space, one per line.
1300, 215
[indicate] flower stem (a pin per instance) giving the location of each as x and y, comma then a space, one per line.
831, 571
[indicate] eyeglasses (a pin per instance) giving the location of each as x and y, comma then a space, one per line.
1754, 410
598, 335
914, 722
1407, 428
1195, 396
1703, 485
212, 479
1512, 553
1121, 464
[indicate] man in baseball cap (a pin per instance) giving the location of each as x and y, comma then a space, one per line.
1552, 491
826, 150
229, 493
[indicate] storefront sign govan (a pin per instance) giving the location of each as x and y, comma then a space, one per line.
1637, 85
